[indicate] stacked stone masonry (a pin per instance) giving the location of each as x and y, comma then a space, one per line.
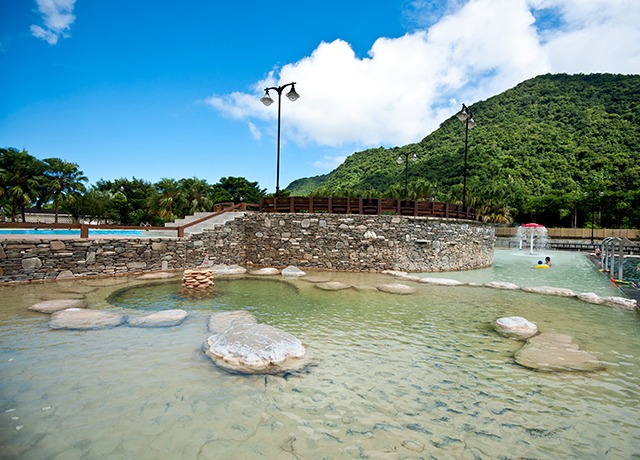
322, 241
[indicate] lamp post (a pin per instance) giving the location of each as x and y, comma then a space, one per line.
267, 100
399, 160
466, 117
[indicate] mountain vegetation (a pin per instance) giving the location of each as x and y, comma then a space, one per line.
561, 150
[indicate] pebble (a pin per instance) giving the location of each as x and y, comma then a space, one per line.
19, 427
11, 410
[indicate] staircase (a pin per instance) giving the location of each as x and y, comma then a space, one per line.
216, 220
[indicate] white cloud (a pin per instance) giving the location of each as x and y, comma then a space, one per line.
58, 17
408, 85
255, 132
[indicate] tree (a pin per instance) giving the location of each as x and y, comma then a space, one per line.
64, 183
240, 189
20, 175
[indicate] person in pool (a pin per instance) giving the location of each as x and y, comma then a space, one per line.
547, 260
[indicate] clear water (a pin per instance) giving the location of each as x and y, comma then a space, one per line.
45, 231
418, 376
571, 270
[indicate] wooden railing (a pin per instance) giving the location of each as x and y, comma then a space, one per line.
371, 206
578, 233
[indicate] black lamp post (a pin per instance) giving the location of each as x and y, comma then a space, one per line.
399, 160
266, 100
466, 117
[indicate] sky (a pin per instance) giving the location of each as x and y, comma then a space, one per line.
157, 89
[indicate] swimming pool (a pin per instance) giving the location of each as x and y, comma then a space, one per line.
70, 232
413, 376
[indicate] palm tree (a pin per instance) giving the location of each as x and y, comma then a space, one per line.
198, 195
169, 197
65, 182
20, 174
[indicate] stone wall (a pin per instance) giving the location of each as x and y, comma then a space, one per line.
361, 242
325, 241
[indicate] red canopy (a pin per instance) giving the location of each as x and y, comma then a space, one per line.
532, 225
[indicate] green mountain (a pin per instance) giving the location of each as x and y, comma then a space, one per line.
556, 149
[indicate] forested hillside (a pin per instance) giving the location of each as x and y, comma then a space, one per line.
561, 150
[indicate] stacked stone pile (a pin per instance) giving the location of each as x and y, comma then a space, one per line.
197, 278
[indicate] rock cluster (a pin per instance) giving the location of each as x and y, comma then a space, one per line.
547, 352
241, 344
197, 278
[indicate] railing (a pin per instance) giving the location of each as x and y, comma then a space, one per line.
370, 206
84, 228
578, 233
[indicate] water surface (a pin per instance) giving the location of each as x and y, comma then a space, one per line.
388, 376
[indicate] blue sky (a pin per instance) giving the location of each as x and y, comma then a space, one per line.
154, 89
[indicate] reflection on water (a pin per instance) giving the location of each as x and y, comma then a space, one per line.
389, 377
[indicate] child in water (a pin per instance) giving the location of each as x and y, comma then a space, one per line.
547, 260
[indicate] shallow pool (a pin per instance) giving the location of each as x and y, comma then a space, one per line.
571, 270
387, 377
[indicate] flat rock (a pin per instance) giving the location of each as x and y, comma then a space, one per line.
316, 279
515, 327
268, 271
221, 321
550, 290
165, 318
552, 352
441, 281
397, 273
332, 286
620, 302
396, 288
157, 276
292, 271
228, 270
51, 306
80, 318
590, 297
502, 285
255, 349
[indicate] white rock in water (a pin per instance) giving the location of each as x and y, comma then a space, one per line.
228, 270
332, 286
441, 281
502, 285
515, 327
221, 321
165, 318
590, 297
255, 349
621, 302
51, 306
551, 352
396, 288
265, 271
550, 290
292, 271
79, 318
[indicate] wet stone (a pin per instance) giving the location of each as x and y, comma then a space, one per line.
76, 318
51, 306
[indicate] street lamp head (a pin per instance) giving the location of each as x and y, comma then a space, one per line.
414, 157
292, 95
472, 124
266, 99
463, 114
399, 160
